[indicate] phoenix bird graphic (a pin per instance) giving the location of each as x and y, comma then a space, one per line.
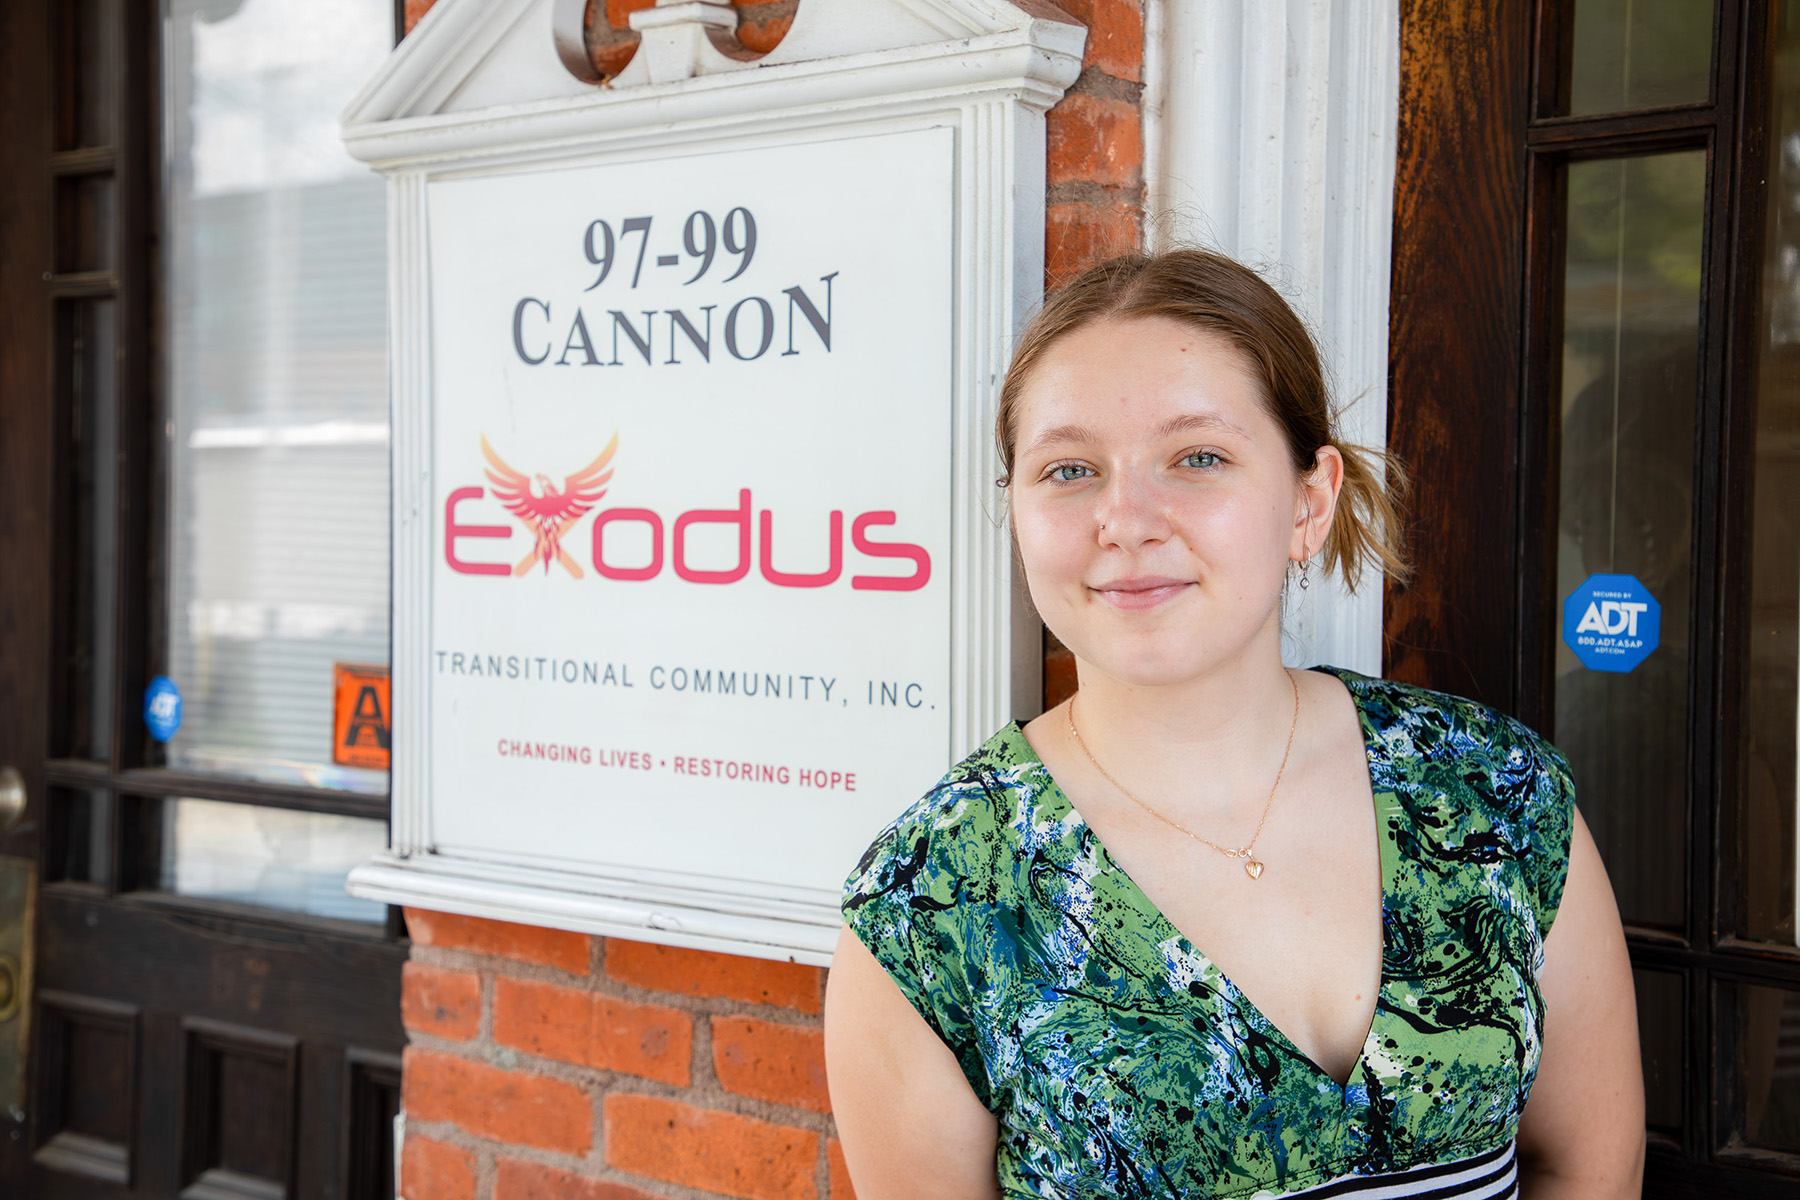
550, 512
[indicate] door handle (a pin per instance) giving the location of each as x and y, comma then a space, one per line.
12, 797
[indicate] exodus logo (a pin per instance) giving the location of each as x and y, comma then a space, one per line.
549, 513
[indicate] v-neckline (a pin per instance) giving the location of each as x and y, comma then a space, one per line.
1374, 754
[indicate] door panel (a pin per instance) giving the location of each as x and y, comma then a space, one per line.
87, 1078
238, 1096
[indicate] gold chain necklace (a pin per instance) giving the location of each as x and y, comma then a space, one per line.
1252, 867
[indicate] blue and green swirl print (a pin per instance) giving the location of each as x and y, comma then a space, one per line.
1121, 1062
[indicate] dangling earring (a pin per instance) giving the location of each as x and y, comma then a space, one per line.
1306, 573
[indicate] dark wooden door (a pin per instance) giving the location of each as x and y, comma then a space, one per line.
169, 1039
1594, 300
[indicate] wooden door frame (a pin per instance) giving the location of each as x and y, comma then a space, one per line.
25, 424
1454, 334
1473, 342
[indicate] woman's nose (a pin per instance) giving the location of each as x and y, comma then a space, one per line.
1131, 512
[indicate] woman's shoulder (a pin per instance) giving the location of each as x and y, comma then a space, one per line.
971, 814
1415, 724
926, 894
1472, 781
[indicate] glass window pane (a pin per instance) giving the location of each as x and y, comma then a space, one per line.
1631, 306
1771, 787
1661, 1009
1628, 54
1768, 1021
275, 857
278, 317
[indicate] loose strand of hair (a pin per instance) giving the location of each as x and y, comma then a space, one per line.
1366, 530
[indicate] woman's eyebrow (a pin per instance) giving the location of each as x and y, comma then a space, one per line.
1185, 423
1058, 434
1188, 422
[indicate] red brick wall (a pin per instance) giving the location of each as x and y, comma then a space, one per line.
1096, 165
550, 1064
547, 1065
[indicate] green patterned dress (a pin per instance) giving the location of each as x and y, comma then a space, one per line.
1121, 1062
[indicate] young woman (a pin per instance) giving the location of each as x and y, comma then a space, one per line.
1214, 927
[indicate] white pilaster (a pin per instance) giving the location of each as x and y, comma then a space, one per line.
1272, 139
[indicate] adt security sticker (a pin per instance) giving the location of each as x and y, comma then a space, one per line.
162, 708
1612, 623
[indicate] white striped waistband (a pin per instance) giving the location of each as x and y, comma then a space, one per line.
1490, 1176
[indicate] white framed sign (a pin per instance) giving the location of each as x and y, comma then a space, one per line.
699, 574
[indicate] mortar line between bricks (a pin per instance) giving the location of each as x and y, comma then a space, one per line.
713, 1006
485, 1169
1084, 191
484, 1028
607, 986
476, 960
597, 1114
1097, 83
709, 1004
703, 1072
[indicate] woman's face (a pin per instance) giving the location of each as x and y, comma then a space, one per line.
1154, 500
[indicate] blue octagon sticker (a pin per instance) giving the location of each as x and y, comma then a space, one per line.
162, 708
1612, 623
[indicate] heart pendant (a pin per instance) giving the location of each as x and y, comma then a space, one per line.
1253, 869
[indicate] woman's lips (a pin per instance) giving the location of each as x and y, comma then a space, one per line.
1139, 593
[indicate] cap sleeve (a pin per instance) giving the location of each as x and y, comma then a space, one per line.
901, 902
1552, 825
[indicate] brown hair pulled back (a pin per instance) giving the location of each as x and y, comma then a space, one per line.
1212, 293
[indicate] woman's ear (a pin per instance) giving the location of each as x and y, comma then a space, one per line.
1316, 502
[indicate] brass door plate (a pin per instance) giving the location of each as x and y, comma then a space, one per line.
18, 890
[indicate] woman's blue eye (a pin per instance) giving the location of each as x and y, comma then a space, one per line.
1205, 460
1068, 472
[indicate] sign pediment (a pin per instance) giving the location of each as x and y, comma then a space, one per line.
468, 56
